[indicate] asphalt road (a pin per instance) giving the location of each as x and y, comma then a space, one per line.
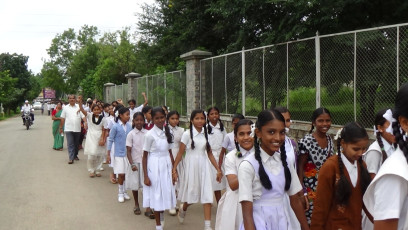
39, 190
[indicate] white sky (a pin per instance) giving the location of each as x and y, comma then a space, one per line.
28, 26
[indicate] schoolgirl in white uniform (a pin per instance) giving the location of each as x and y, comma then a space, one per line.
134, 145
386, 197
229, 140
177, 132
158, 189
265, 176
229, 212
108, 122
95, 139
196, 186
379, 150
216, 135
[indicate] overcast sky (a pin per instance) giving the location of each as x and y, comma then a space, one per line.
27, 27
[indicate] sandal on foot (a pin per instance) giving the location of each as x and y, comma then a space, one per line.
113, 180
92, 175
136, 211
149, 214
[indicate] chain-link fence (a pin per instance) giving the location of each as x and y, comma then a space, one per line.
115, 92
162, 89
353, 74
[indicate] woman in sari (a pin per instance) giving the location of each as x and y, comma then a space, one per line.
58, 137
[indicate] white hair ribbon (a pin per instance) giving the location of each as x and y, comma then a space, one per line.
388, 116
338, 135
116, 113
286, 130
252, 130
375, 130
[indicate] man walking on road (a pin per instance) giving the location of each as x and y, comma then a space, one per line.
71, 117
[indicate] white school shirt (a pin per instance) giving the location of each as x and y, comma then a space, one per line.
229, 142
72, 117
149, 141
217, 137
231, 158
177, 134
250, 187
135, 140
108, 122
351, 169
373, 157
135, 110
387, 195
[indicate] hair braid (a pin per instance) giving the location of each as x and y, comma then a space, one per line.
266, 182
381, 144
221, 124
207, 145
168, 134
343, 190
311, 129
365, 176
191, 135
239, 154
209, 126
399, 139
288, 176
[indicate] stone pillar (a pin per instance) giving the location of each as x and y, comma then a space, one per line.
132, 85
192, 59
108, 92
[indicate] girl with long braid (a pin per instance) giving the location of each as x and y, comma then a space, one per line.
314, 149
343, 179
158, 189
387, 195
216, 135
379, 150
383, 147
229, 212
265, 176
196, 186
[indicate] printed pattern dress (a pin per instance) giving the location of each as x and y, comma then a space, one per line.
316, 156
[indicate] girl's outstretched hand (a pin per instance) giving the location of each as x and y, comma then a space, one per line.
147, 181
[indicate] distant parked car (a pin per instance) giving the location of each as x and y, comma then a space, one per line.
37, 105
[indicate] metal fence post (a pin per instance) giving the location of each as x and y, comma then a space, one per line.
355, 76
225, 85
287, 75
165, 89
263, 77
243, 80
212, 82
398, 42
317, 48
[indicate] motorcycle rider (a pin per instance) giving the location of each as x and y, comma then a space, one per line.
29, 108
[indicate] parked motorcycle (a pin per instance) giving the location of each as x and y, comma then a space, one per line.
27, 119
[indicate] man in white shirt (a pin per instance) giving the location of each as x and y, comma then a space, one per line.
71, 118
27, 107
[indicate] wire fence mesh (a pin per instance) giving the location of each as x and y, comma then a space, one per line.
353, 74
162, 89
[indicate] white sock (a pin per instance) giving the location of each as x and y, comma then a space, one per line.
159, 227
207, 223
161, 216
121, 190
